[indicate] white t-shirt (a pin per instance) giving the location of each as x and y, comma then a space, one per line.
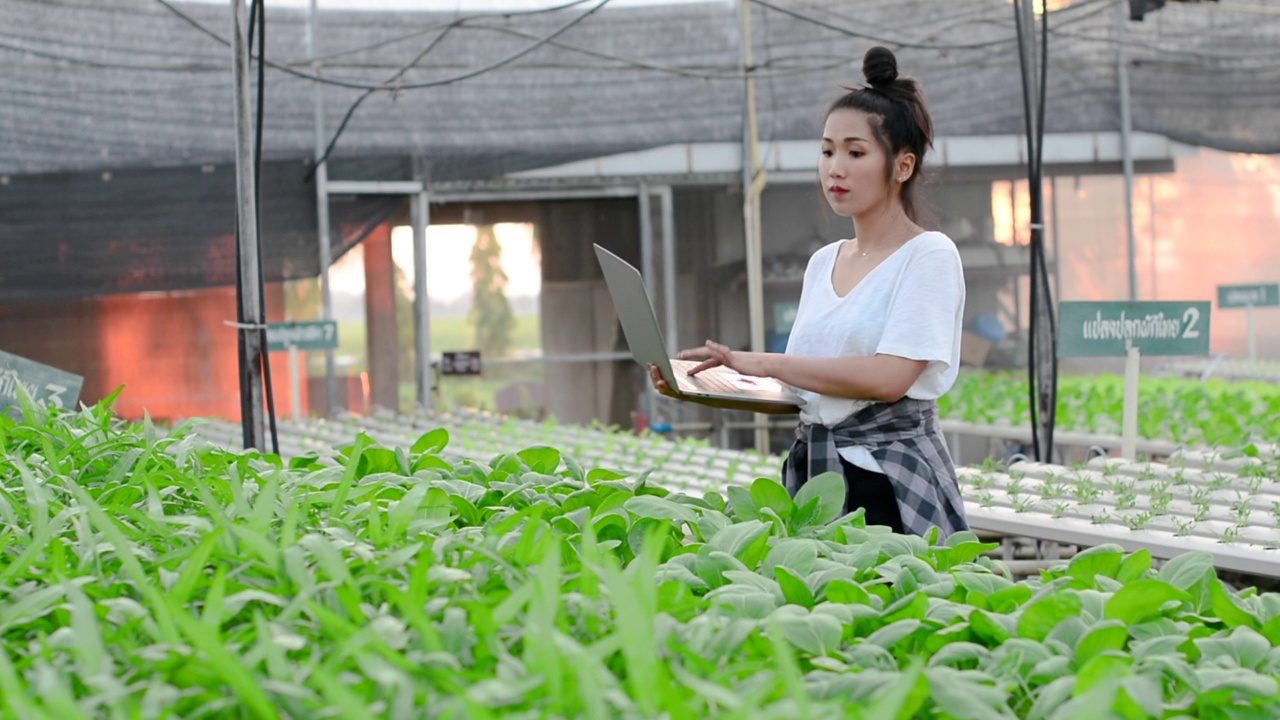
910, 305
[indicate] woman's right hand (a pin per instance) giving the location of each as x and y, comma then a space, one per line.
655, 375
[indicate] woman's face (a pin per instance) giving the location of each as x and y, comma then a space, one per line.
852, 166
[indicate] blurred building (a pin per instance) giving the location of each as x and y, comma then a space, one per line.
627, 129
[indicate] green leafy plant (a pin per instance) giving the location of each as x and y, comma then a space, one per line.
164, 576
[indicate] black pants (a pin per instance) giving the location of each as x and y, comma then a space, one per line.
865, 489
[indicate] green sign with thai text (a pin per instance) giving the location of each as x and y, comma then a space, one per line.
302, 335
1240, 296
1100, 329
53, 387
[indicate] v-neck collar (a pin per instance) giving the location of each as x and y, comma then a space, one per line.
831, 283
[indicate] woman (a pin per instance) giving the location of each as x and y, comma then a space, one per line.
876, 339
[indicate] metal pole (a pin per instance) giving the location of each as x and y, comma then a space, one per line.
1151, 196
647, 272
1253, 336
1030, 78
1129, 411
246, 204
669, 265
420, 213
1016, 279
1057, 237
669, 290
1126, 151
295, 384
322, 207
646, 235
753, 182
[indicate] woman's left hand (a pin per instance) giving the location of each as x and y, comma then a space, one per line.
713, 354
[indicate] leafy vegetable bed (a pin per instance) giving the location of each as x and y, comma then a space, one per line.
685, 464
1216, 413
165, 577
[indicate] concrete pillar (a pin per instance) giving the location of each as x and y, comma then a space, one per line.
574, 294
383, 338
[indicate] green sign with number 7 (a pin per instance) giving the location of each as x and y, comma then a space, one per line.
53, 387
1098, 329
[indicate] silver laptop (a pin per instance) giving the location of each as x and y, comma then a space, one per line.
640, 325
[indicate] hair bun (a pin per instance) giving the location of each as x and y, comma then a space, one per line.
879, 66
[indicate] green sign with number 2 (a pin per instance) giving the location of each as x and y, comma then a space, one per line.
1097, 329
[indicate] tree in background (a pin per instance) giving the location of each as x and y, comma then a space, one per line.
490, 309
407, 330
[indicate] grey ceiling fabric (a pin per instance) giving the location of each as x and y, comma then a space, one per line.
100, 84
130, 89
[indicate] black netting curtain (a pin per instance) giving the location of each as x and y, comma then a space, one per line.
124, 231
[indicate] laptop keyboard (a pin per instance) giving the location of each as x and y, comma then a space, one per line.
709, 380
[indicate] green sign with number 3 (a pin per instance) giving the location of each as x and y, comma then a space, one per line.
53, 387
1101, 329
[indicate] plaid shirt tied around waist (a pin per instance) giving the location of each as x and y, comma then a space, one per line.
905, 439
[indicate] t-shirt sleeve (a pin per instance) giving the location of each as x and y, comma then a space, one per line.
924, 313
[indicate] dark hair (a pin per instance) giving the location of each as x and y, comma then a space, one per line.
900, 117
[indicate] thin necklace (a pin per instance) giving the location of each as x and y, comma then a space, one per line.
863, 253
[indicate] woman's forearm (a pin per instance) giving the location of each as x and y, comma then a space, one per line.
884, 378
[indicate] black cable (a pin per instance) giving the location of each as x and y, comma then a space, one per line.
734, 74
456, 22
458, 78
1051, 317
1031, 161
1039, 276
260, 12
365, 95
877, 38
413, 86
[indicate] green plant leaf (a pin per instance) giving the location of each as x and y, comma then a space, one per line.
1040, 617
1110, 635
1101, 669
432, 441
813, 633
986, 627
741, 505
829, 489
543, 460
1134, 566
963, 697
984, 583
767, 493
736, 539
793, 587
1009, 599
711, 564
1101, 560
1244, 647
847, 592
1229, 608
747, 602
1142, 599
1185, 570
651, 506
903, 697
1247, 683
796, 554
960, 653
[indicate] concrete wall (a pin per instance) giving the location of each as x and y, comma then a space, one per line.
577, 312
